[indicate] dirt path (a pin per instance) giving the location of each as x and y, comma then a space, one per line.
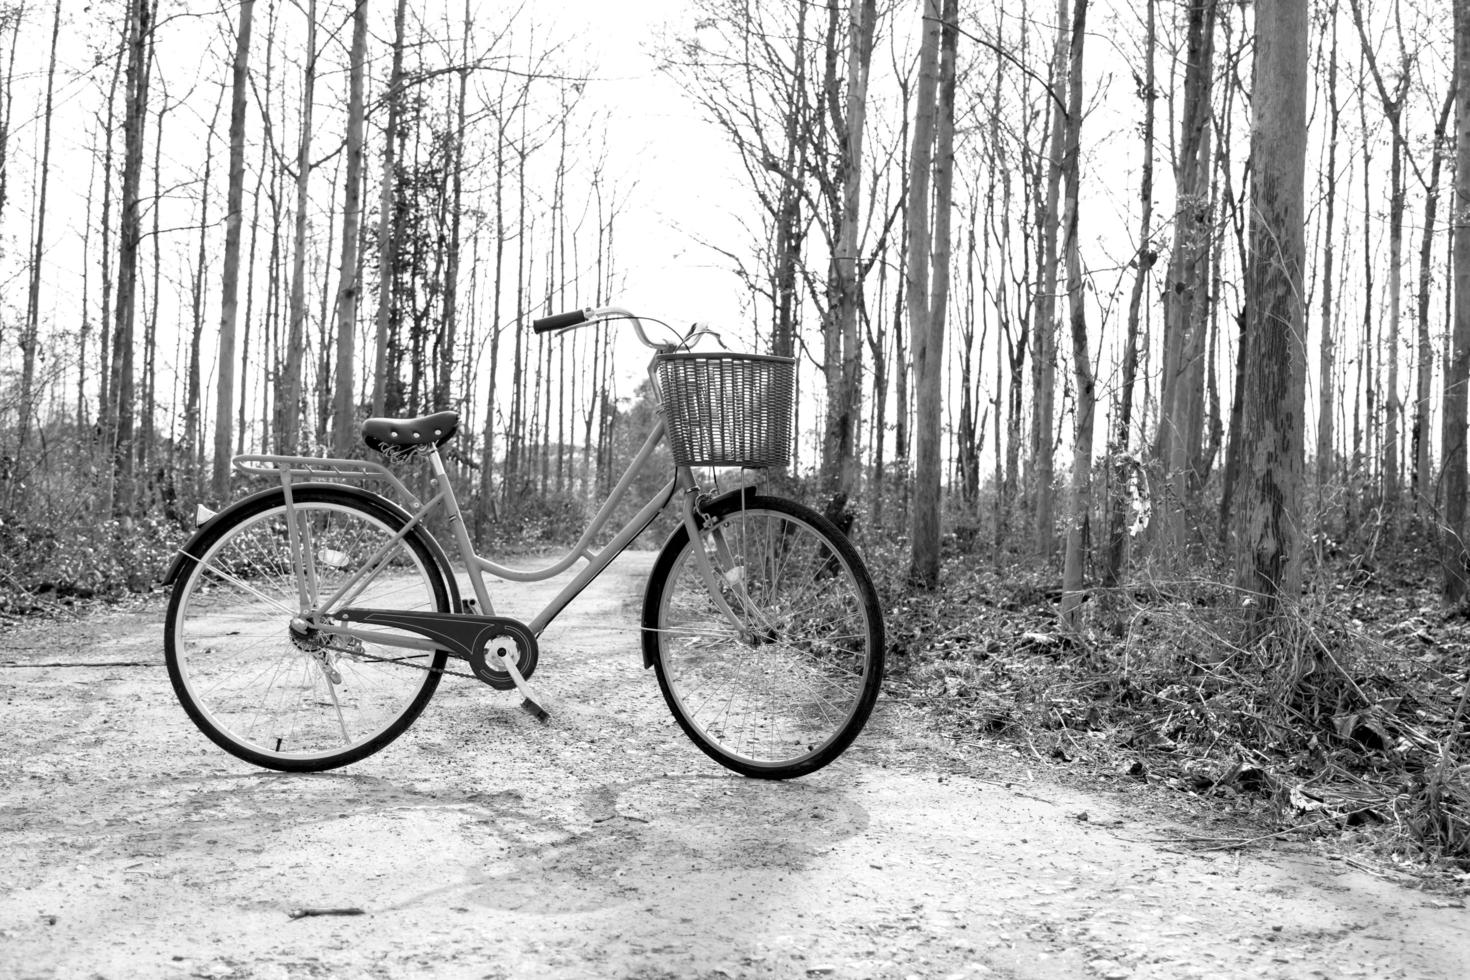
605, 845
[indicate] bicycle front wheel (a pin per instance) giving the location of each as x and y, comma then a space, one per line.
783, 688
245, 653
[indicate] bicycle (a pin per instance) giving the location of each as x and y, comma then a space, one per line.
310, 623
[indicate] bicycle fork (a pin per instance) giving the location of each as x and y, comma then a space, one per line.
724, 575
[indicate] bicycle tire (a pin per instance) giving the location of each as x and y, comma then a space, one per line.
277, 696
813, 623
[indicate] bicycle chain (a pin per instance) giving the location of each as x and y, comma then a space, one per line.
361, 655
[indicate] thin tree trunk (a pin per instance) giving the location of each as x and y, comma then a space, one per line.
1423, 473
140, 38
442, 395
841, 465
1080, 504
1327, 350
289, 389
388, 230
1186, 295
7, 104
193, 415
926, 306
225, 403
1045, 363
1455, 557
30, 338
1143, 262
1393, 106
349, 287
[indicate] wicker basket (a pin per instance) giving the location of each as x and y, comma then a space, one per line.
728, 409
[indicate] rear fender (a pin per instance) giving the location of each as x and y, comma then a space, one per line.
192, 549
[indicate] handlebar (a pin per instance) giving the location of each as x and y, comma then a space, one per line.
559, 321
576, 318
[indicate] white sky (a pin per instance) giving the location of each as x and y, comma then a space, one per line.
658, 138
682, 166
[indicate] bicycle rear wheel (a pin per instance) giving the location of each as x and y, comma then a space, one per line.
244, 651
787, 690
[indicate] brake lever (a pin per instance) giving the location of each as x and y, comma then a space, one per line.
699, 330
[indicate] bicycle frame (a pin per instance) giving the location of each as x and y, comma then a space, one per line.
288, 468
304, 558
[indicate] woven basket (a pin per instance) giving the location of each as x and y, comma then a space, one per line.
728, 409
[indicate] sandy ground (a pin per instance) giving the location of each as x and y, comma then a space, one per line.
483, 844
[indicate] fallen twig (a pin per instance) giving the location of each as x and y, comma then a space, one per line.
307, 913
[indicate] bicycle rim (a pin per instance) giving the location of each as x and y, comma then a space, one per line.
788, 691
294, 699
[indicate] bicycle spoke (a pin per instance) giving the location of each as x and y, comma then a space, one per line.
258, 680
802, 676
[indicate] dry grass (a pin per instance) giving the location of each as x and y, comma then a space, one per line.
1349, 721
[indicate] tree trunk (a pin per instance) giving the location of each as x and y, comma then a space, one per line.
140, 38
1423, 494
1327, 348
388, 219
1393, 106
225, 403
1186, 295
31, 335
288, 409
1454, 554
1081, 489
443, 398
933, 147
1269, 536
841, 466
193, 414
349, 288
1144, 261
1044, 365
7, 103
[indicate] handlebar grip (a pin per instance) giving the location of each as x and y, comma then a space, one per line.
559, 321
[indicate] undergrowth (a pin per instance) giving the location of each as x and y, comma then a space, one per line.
47, 568
1350, 720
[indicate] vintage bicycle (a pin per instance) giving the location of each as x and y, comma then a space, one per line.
310, 623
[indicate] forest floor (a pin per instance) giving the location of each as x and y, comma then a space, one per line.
603, 844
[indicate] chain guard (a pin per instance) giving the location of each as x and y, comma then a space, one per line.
464, 637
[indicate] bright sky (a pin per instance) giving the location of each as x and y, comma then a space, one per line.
659, 140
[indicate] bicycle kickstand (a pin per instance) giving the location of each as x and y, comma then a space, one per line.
531, 701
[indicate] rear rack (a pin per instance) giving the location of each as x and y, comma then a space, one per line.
288, 468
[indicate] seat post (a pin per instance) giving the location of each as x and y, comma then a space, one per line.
461, 533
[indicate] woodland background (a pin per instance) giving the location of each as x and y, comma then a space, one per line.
1133, 334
